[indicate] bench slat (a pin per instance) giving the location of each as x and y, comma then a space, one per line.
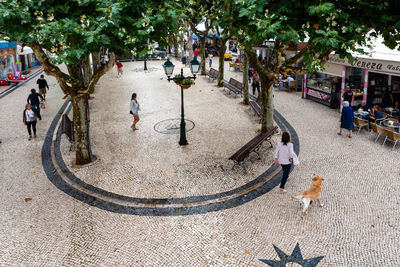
234, 86
244, 151
213, 73
256, 107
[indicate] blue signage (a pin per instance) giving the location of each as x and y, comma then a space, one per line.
8, 45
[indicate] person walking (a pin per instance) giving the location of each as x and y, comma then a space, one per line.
347, 118
196, 53
33, 99
42, 86
210, 56
250, 73
284, 154
30, 117
256, 83
119, 67
134, 110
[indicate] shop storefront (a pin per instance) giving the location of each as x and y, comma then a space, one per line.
374, 79
7, 59
323, 88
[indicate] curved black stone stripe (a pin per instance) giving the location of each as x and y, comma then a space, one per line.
57, 180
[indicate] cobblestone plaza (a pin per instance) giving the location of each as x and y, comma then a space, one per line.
147, 201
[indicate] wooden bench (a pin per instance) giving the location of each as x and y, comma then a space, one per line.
213, 74
252, 146
234, 86
256, 106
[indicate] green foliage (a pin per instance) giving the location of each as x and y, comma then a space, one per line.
178, 76
71, 29
187, 82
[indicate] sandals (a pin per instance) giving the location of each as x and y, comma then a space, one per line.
339, 133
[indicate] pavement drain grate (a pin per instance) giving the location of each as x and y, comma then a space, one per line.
149, 69
172, 126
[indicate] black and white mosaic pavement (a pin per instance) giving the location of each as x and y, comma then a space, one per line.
59, 174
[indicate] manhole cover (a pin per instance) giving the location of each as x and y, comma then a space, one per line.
172, 126
149, 69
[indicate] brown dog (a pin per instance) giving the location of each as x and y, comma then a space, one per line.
314, 192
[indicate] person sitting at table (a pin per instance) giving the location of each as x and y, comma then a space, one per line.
289, 79
363, 106
376, 114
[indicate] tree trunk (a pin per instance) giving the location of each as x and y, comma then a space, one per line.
246, 79
96, 61
267, 105
202, 55
176, 49
189, 46
87, 74
221, 68
81, 129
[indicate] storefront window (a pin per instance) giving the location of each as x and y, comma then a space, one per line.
355, 78
324, 82
395, 83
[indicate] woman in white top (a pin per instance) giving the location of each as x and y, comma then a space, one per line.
134, 110
284, 156
30, 119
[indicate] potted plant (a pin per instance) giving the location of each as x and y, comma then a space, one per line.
186, 83
177, 77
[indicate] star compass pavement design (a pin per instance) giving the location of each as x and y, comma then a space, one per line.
296, 257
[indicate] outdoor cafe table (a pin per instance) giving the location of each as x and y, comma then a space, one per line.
363, 114
395, 126
392, 111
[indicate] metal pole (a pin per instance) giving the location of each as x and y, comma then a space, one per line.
343, 84
145, 64
365, 85
182, 141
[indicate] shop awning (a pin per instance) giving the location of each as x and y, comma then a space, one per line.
27, 50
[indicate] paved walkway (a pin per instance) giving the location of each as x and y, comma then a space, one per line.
358, 226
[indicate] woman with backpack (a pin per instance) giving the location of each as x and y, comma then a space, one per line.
134, 110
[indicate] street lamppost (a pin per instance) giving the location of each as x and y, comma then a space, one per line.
169, 69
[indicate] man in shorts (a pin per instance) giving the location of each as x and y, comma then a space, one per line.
42, 86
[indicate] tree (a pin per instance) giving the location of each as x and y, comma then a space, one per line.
68, 32
195, 12
326, 26
223, 27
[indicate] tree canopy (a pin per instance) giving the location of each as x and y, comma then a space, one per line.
73, 29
